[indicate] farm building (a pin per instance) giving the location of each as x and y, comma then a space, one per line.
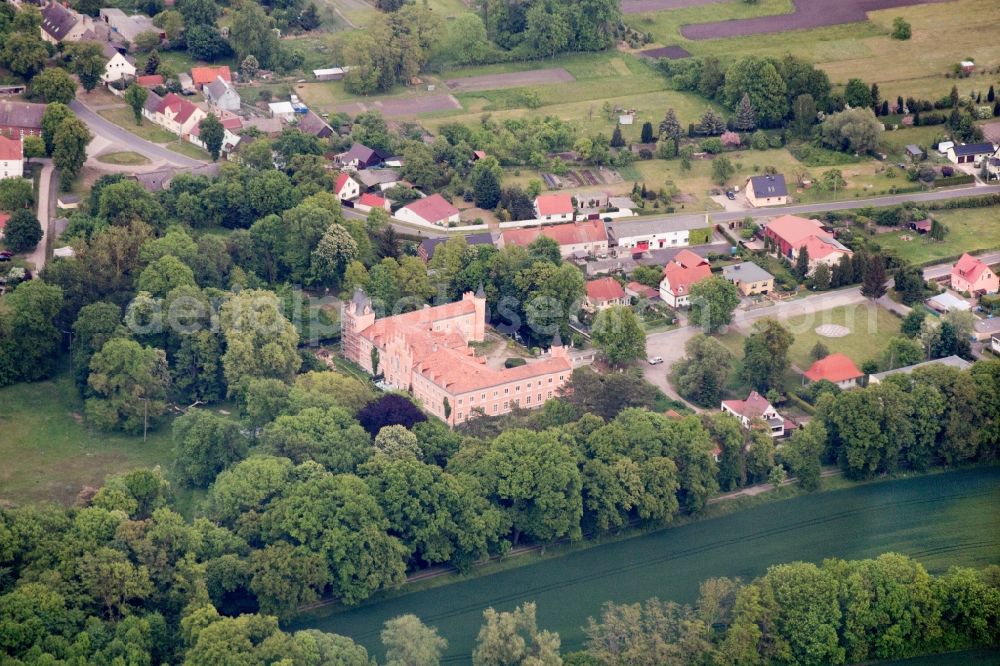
581, 238
129, 27
330, 73
950, 361
766, 191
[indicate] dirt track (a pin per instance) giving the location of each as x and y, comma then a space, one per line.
534, 77
808, 14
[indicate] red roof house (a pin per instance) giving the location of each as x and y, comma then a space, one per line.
836, 368
346, 187
790, 234
149, 80
369, 201
205, 75
434, 209
3, 222
680, 274
757, 407
554, 207
640, 290
603, 293
973, 276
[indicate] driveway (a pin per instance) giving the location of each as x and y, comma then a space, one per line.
124, 140
47, 189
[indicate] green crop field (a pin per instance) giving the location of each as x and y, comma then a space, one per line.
50, 453
968, 230
942, 520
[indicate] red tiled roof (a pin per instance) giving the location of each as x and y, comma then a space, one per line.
341, 181
642, 289
203, 75
3, 220
373, 200
554, 204
835, 368
969, 268
149, 80
180, 106
434, 208
684, 270
571, 233
799, 232
753, 407
604, 289
10, 149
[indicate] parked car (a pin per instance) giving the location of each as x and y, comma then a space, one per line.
730, 195
655, 360
5, 255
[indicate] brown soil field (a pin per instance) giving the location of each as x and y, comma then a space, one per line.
532, 77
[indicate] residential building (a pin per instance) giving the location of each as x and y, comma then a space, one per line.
231, 126
790, 234
554, 207
11, 158
220, 95
270, 127
129, 27
970, 153
427, 246
757, 408
972, 276
202, 76
984, 329
119, 66
680, 274
157, 181
639, 290
346, 187
20, 119
177, 115
836, 368
367, 201
655, 233
151, 105
603, 293
379, 179
427, 352
769, 190
434, 209
311, 124
62, 24
580, 239
950, 361
330, 74
359, 157
749, 278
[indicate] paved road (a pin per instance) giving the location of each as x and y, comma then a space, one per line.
47, 189
125, 140
942, 270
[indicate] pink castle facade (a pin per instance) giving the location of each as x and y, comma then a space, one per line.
427, 353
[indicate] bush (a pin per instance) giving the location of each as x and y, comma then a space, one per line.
514, 362
712, 146
901, 28
758, 141
23, 231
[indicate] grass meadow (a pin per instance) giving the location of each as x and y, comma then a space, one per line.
969, 230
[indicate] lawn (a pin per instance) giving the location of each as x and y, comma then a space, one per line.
50, 453
122, 158
147, 130
871, 327
969, 230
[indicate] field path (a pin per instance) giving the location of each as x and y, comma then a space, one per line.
807, 14
942, 519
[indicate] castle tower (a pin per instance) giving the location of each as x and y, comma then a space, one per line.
355, 316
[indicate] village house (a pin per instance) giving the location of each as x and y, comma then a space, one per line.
379, 179
220, 95
579, 239
20, 119
177, 115
554, 207
11, 158
119, 66
311, 124
836, 368
972, 276
603, 293
790, 234
970, 153
749, 278
757, 408
767, 190
434, 209
655, 233
950, 361
283, 111
427, 353
151, 105
346, 188
367, 201
231, 126
269, 127
359, 157
427, 246
680, 274
203, 76
639, 290
129, 27
62, 24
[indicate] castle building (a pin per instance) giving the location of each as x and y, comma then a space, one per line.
427, 353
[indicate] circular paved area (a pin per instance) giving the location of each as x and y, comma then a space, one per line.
832, 330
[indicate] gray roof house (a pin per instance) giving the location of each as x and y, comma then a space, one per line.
221, 95
310, 123
61, 23
152, 104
